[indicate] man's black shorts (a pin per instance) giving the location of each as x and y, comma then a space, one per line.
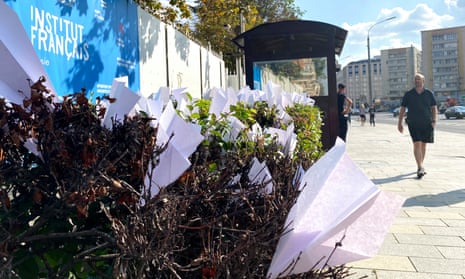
423, 133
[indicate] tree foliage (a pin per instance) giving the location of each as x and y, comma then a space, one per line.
274, 11
176, 12
218, 22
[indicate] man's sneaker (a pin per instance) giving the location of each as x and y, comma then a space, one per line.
420, 173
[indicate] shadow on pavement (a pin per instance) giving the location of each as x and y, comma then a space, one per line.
437, 200
394, 178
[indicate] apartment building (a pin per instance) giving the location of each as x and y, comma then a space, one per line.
355, 76
444, 62
399, 68
441, 60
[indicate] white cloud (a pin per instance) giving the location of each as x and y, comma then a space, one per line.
424, 18
455, 3
420, 18
452, 3
403, 31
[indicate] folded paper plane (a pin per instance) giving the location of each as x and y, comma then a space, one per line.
172, 165
286, 138
218, 101
236, 126
19, 62
338, 203
186, 136
260, 174
182, 139
179, 94
126, 100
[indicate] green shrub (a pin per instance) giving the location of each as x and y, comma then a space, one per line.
82, 210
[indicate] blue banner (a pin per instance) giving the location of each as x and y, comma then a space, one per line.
85, 43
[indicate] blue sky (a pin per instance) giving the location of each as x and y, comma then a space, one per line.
356, 16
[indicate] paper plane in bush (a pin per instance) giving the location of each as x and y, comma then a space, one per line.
338, 206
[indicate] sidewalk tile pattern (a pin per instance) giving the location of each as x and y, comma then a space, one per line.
427, 239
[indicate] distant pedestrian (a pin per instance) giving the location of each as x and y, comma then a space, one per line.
372, 111
421, 119
363, 117
344, 104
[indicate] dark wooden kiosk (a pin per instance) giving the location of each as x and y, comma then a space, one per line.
298, 39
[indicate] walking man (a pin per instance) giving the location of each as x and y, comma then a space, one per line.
372, 111
421, 119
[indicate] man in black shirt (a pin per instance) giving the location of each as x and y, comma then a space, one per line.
372, 111
344, 105
421, 119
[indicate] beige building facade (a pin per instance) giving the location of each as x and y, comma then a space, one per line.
355, 76
399, 68
444, 62
441, 60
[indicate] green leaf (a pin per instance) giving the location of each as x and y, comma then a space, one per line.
212, 167
28, 267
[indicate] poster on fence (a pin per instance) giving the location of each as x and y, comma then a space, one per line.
83, 44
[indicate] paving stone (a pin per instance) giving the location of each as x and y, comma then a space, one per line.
389, 238
439, 240
452, 252
402, 214
415, 250
459, 204
423, 221
387, 274
438, 215
446, 266
455, 223
412, 229
385, 262
460, 210
452, 231
409, 208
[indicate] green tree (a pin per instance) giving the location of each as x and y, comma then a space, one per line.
277, 10
177, 12
217, 22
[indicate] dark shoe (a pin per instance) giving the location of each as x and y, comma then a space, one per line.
420, 173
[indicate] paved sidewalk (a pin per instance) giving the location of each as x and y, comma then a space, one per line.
427, 239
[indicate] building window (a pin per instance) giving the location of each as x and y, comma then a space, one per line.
450, 36
450, 45
445, 37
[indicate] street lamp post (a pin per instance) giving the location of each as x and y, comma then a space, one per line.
370, 90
